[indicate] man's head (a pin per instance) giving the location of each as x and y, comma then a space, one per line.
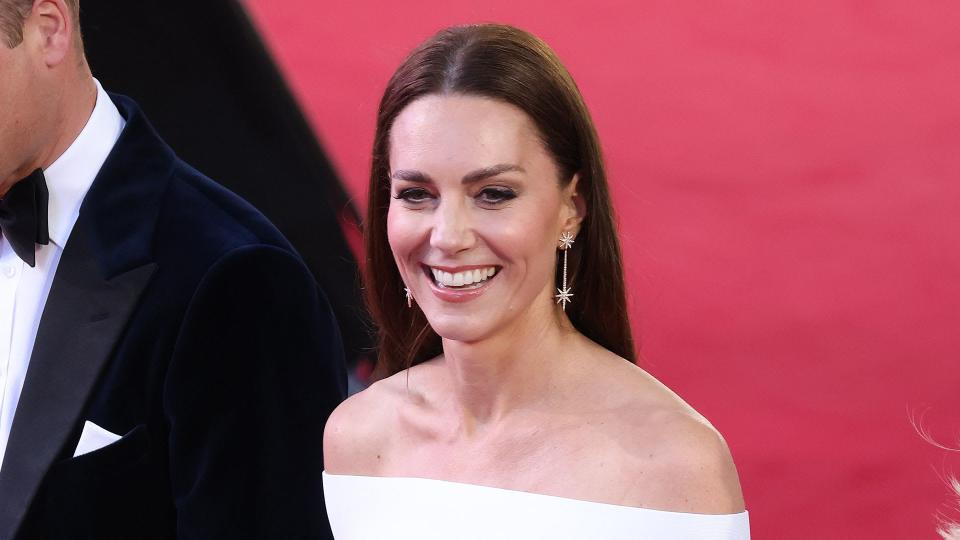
45, 84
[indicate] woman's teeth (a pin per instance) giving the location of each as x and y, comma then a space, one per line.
460, 279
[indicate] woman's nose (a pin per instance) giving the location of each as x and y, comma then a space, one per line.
452, 230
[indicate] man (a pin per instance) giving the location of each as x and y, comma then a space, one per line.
167, 362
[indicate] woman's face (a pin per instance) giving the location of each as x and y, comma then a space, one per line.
475, 215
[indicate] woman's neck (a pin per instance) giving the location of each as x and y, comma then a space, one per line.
510, 370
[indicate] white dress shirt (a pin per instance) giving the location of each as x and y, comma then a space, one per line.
24, 290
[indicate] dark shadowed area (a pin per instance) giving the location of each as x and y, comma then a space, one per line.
203, 77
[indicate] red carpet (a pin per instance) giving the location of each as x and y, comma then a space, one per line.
787, 177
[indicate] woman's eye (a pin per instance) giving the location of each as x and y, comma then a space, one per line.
413, 195
493, 195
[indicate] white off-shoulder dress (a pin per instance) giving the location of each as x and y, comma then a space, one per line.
370, 508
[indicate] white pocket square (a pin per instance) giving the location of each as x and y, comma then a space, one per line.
93, 438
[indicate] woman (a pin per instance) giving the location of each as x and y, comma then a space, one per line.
510, 406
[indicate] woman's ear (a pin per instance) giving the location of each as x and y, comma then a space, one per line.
575, 206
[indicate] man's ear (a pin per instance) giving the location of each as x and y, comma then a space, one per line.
575, 206
51, 29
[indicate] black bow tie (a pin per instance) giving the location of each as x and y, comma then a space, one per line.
23, 216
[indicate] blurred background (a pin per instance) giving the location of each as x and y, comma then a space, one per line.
787, 179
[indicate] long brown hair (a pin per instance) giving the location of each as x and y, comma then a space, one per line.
516, 67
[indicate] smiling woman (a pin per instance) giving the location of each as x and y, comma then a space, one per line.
452, 214
494, 275
505, 67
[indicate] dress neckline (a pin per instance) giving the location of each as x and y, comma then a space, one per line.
520, 493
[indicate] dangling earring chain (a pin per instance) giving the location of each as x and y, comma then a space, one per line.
564, 295
406, 291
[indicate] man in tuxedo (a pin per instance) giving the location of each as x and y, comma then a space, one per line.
167, 362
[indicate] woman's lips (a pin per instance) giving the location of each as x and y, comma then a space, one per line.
460, 284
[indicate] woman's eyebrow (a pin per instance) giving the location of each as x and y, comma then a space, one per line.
412, 175
487, 172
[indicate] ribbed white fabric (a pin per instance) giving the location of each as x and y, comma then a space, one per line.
369, 508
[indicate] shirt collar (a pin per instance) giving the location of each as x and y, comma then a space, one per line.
70, 176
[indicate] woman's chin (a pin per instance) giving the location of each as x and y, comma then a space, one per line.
463, 328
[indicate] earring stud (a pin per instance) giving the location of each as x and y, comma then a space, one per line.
406, 291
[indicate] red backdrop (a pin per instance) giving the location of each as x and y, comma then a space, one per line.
787, 177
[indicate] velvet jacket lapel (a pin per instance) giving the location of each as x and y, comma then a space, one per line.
105, 267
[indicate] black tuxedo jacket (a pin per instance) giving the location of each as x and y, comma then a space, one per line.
181, 319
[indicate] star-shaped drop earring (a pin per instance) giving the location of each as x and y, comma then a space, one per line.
564, 294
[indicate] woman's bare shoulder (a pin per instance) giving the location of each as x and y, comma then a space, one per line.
363, 428
672, 457
355, 434
692, 461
